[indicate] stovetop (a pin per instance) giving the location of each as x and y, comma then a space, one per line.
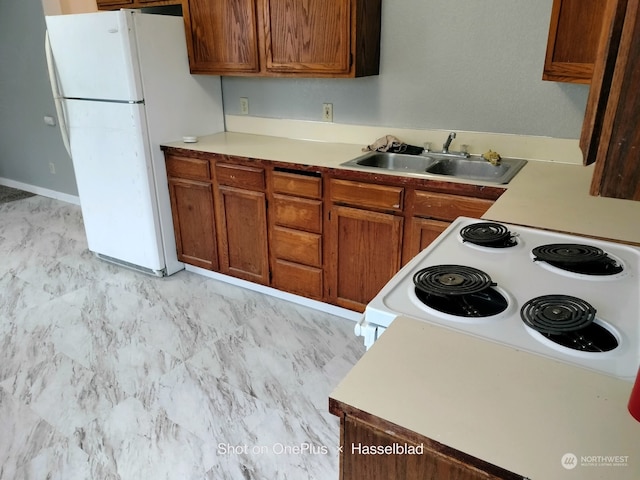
519, 278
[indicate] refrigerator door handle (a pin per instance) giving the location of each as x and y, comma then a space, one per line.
55, 89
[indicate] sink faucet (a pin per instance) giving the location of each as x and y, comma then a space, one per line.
445, 147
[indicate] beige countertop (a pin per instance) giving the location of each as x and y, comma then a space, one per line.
516, 410
555, 196
306, 152
548, 195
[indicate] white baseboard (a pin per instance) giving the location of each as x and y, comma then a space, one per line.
45, 192
307, 302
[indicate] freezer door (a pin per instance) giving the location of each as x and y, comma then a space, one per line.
95, 55
110, 153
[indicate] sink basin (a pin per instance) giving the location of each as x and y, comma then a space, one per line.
475, 168
472, 168
393, 161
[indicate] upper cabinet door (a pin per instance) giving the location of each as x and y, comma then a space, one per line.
307, 36
574, 36
284, 38
101, 3
611, 130
222, 36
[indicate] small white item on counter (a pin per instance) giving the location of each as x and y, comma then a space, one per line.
190, 139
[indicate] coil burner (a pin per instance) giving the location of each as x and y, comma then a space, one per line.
488, 234
577, 258
567, 321
458, 290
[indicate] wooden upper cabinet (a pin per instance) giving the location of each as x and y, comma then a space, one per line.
117, 4
101, 3
307, 36
333, 38
574, 35
222, 36
280, 38
611, 130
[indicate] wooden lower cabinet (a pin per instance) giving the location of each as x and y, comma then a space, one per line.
411, 457
295, 233
331, 239
243, 234
297, 278
193, 219
421, 232
365, 251
191, 194
430, 213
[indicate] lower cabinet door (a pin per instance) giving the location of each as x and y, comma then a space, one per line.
193, 222
243, 234
422, 231
364, 251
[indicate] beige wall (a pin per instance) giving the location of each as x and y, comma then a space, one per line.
61, 7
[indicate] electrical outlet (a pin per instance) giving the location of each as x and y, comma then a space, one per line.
52, 168
49, 120
327, 112
244, 105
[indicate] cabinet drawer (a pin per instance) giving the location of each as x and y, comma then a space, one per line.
189, 168
297, 184
449, 207
300, 213
298, 279
366, 194
296, 246
243, 176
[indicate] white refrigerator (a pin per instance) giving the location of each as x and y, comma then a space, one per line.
122, 86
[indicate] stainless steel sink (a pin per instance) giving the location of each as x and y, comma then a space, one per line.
476, 168
393, 161
434, 165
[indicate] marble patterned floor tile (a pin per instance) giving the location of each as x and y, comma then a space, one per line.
63, 392
18, 295
131, 444
61, 461
24, 435
110, 374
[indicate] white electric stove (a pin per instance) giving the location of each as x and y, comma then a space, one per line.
570, 298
